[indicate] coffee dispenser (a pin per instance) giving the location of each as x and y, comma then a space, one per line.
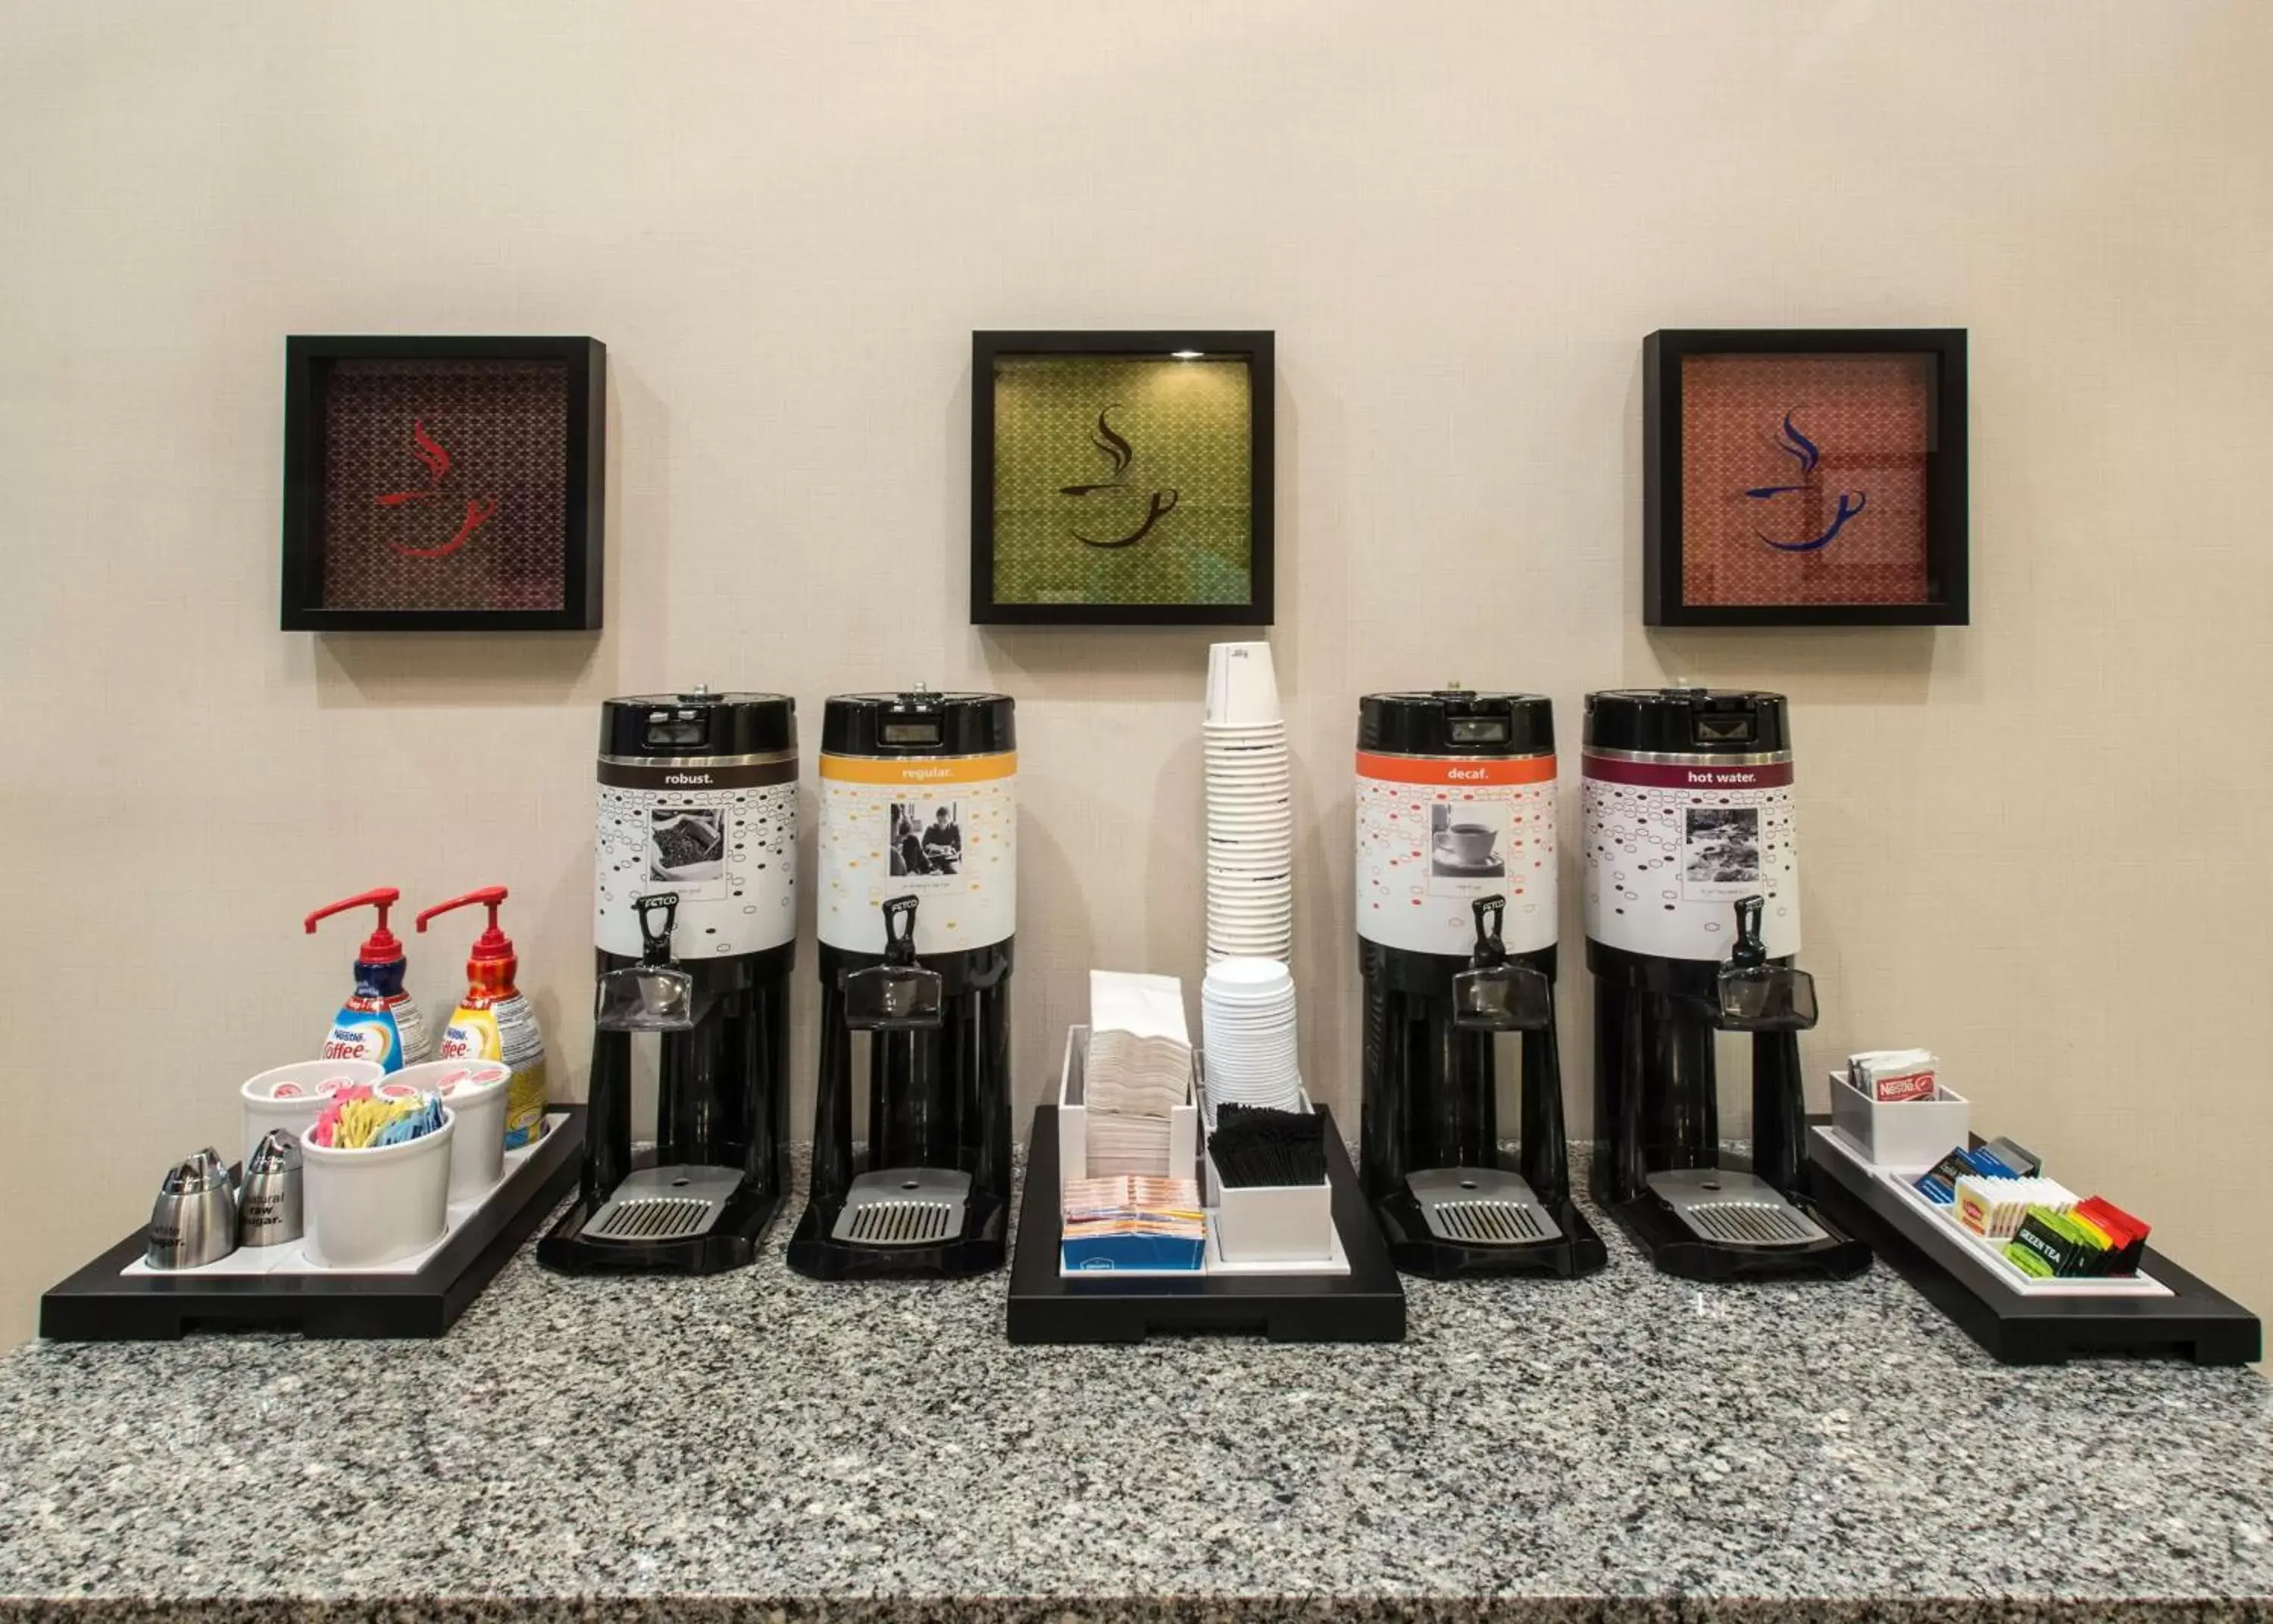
1691, 873
1456, 924
918, 885
695, 917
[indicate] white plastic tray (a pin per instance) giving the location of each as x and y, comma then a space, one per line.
2001, 1269
292, 1258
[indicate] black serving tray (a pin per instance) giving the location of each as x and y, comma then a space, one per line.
98, 1304
2195, 1322
1366, 1305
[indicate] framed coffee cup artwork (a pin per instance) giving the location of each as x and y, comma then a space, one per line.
1804, 478
1120, 478
443, 483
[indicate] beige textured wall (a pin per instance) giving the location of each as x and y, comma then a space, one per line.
2035, 844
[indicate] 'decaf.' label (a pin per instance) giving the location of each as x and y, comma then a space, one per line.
1436, 834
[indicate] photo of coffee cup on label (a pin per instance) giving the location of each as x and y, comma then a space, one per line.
1466, 843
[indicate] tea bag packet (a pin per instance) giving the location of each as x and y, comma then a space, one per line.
2052, 1244
1939, 1183
2127, 1235
1995, 1207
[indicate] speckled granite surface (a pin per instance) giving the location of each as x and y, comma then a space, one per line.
757, 1446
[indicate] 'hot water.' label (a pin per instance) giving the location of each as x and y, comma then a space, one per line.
1672, 846
1437, 833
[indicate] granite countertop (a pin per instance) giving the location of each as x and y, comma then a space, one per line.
759, 1446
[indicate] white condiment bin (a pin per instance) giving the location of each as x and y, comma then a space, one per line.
1900, 1133
308, 1085
1073, 1118
368, 1207
476, 1091
1270, 1223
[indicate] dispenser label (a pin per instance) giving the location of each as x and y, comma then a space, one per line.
721, 835
1671, 848
1435, 833
943, 829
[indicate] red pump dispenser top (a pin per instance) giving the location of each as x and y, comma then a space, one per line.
492, 945
382, 946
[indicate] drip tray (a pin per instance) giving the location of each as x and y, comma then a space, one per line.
1482, 1207
904, 1207
1733, 1209
664, 1203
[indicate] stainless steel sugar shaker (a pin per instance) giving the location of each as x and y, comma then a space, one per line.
268, 1201
194, 1222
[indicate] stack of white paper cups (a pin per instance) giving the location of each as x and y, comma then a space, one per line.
1250, 825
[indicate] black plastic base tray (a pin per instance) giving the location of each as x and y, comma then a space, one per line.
2195, 1322
98, 1304
979, 1250
1415, 1251
1366, 1305
731, 1243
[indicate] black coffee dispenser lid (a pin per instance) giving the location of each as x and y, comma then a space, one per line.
1456, 722
918, 722
1687, 721
699, 723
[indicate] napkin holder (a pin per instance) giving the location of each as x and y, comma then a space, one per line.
1073, 1118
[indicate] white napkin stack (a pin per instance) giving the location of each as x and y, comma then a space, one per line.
1139, 1069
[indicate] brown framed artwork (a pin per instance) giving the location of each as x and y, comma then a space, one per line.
1804, 478
443, 483
1120, 478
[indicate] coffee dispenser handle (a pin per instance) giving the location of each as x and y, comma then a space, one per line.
1491, 947
900, 931
657, 940
1751, 949
898, 994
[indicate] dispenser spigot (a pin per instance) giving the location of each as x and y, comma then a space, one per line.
1754, 995
1494, 994
899, 994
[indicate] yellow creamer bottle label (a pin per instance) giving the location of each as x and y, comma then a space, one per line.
506, 1031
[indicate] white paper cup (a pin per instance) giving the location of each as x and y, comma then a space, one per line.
293, 1096
476, 1091
370, 1208
1242, 687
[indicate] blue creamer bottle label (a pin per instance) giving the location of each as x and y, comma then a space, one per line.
506, 1031
365, 1034
390, 1031
410, 1028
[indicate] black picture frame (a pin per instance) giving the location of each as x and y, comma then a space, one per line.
308, 359
1947, 603
1257, 348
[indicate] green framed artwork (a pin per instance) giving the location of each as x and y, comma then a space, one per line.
1120, 478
